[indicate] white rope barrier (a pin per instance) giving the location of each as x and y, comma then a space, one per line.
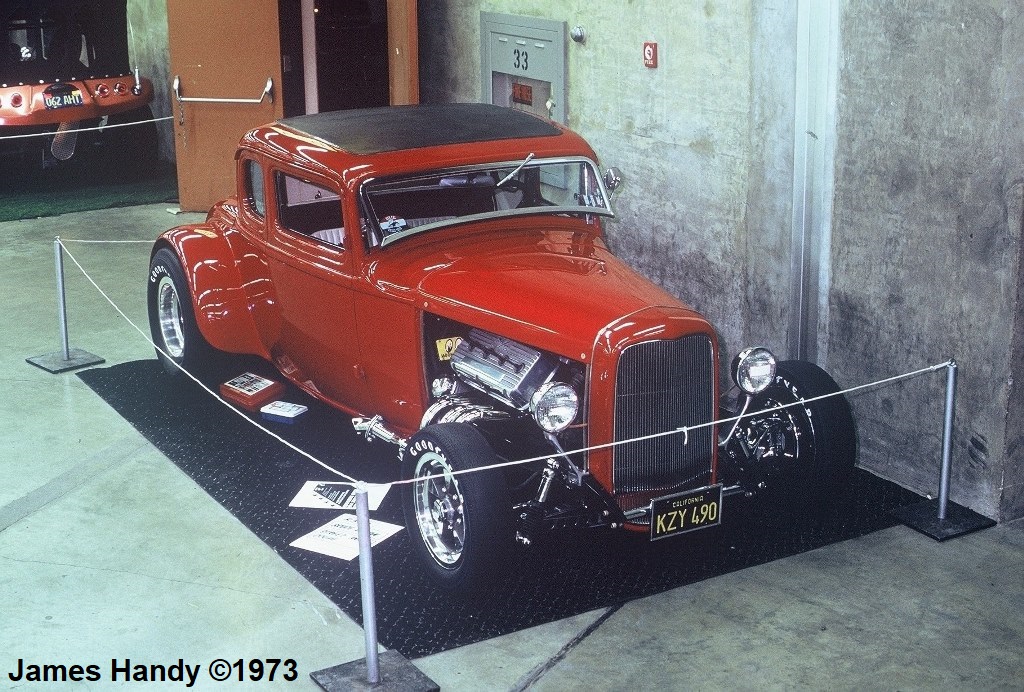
90, 129
685, 430
108, 242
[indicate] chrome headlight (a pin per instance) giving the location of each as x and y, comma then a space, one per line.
753, 369
554, 406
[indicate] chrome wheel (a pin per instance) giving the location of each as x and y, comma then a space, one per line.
438, 505
459, 518
180, 344
168, 307
776, 435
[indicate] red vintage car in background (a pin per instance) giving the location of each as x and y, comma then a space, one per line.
64, 66
440, 274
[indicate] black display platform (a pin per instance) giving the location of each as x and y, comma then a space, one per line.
255, 477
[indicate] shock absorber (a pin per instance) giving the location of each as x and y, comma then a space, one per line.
546, 479
531, 514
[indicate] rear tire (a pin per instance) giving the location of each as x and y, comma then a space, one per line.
172, 320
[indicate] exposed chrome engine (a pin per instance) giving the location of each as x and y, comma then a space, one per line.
502, 368
511, 391
457, 409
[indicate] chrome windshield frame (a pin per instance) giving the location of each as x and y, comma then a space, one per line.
370, 218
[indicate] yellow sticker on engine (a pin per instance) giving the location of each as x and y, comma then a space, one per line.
446, 347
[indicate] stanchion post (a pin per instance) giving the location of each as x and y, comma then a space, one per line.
947, 438
400, 674
67, 358
62, 306
953, 519
366, 584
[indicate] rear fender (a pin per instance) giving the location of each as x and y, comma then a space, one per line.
219, 301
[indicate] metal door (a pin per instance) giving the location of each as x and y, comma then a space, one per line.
226, 61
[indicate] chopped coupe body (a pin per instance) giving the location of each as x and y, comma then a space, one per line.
440, 273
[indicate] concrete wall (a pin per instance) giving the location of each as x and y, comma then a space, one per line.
925, 251
147, 48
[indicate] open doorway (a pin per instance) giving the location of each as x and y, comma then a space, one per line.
351, 55
77, 130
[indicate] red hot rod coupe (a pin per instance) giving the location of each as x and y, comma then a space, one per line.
440, 274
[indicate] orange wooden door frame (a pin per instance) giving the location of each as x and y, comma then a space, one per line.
403, 52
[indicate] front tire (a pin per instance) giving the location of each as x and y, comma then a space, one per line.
172, 320
803, 446
459, 524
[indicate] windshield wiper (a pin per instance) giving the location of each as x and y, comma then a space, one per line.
516, 171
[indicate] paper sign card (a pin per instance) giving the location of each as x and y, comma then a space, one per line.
340, 537
333, 495
282, 411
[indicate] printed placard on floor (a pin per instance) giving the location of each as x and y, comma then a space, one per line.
335, 495
340, 537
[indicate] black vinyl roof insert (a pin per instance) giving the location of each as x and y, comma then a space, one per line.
377, 130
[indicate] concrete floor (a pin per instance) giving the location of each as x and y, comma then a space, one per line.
107, 550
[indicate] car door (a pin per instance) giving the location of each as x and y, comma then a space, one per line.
311, 268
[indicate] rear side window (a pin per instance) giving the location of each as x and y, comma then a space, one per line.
255, 197
309, 208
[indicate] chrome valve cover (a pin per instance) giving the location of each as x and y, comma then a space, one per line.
503, 368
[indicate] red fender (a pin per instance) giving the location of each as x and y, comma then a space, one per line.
224, 313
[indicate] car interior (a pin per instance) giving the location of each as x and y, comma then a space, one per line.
310, 209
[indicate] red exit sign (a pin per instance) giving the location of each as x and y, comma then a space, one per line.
650, 54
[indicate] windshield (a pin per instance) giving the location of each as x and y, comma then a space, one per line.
399, 207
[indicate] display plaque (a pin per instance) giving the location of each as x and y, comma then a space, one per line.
251, 391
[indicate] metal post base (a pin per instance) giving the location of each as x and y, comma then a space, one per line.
55, 362
924, 517
397, 674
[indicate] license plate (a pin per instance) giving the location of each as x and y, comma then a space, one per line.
683, 512
62, 96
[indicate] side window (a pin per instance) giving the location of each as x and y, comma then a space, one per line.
255, 198
309, 208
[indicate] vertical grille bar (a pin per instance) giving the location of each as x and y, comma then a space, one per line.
661, 386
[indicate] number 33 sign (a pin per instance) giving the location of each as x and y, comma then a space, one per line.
521, 60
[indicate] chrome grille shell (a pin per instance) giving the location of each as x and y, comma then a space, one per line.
661, 386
